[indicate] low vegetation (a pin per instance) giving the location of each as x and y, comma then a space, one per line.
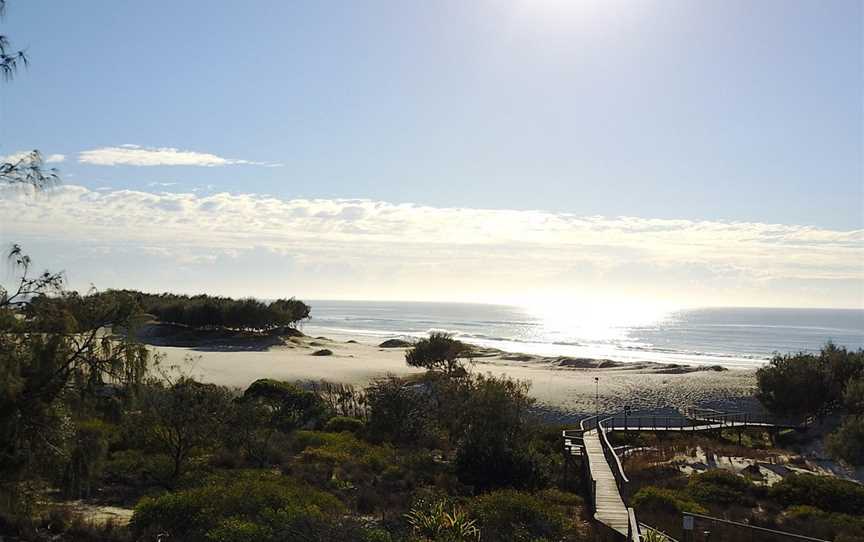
809, 504
86, 412
451, 455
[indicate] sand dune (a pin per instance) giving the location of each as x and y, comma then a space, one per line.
564, 387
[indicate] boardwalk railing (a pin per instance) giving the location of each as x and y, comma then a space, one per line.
634, 532
691, 420
751, 529
612, 457
588, 424
747, 419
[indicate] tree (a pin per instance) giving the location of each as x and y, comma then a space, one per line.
290, 406
27, 285
440, 352
269, 407
183, 416
792, 385
853, 396
808, 384
26, 168
51, 348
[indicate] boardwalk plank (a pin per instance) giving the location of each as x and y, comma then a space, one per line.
609, 507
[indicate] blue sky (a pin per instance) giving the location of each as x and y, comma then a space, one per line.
719, 111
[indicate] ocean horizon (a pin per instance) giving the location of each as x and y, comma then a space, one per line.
733, 337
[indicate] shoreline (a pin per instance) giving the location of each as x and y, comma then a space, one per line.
566, 350
565, 388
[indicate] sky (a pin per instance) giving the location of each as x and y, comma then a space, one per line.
650, 151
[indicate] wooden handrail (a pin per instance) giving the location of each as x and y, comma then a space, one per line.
634, 533
607, 446
756, 528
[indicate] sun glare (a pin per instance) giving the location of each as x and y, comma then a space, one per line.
600, 321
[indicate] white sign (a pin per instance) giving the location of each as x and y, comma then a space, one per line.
688, 523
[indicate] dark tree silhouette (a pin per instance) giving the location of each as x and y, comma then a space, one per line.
440, 352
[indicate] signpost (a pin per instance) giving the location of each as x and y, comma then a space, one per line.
688, 528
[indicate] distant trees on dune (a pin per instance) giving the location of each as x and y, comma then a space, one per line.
207, 312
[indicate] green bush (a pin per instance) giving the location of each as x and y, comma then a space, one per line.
136, 468
400, 413
718, 486
239, 530
372, 477
339, 424
821, 491
655, 499
492, 452
515, 516
817, 522
87, 457
847, 443
250, 500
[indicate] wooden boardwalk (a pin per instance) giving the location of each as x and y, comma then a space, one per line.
590, 442
609, 508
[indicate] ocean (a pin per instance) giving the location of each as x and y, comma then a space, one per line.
731, 337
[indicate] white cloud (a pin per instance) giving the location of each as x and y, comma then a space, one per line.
135, 155
377, 249
55, 158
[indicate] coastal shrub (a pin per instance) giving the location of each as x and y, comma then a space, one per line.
369, 477
492, 452
847, 443
817, 522
655, 499
718, 486
287, 406
825, 492
400, 413
342, 399
808, 384
251, 501
791, 385
344, 423
439, 352
137, 468
516, 516
86, 460
853, 396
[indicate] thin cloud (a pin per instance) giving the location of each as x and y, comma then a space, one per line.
136, 155
401, 249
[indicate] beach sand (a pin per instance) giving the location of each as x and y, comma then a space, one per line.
565, 388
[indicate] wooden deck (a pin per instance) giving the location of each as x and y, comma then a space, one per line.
609, 508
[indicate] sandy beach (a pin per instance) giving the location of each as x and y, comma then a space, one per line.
564, 387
